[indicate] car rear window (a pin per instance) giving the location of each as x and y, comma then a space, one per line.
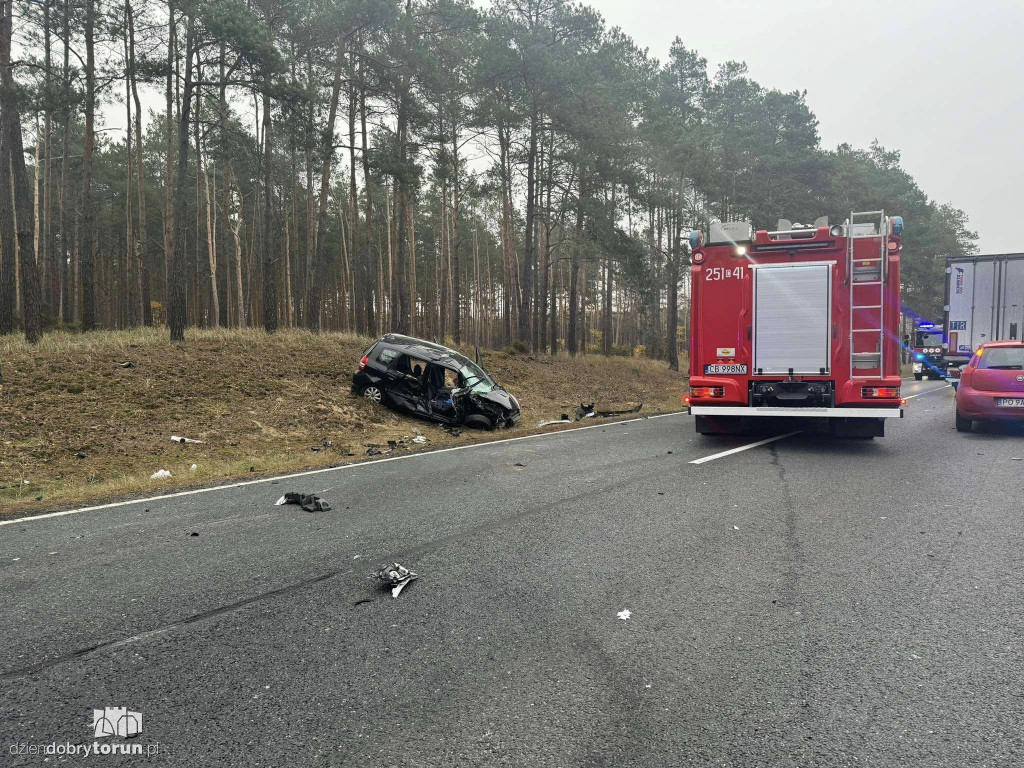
385, 356
1009, 358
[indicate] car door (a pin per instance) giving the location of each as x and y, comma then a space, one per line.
406, 388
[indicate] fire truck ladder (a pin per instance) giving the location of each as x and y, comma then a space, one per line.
869, 323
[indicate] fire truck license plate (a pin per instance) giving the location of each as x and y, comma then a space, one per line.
1010, 402
729, 368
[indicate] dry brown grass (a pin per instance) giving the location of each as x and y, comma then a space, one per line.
256, 401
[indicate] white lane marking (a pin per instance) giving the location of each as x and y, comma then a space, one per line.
928, 392
731, 451
355, 465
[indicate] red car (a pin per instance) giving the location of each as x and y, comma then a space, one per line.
992, 385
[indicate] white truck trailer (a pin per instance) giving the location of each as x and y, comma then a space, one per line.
984, 302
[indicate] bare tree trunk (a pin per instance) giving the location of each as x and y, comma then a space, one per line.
145, 314
269, 275
176, 308
235, 220
211, 244
12, 157
453, 245
526, 267
169, 186
327, 149
87, 276
51, 280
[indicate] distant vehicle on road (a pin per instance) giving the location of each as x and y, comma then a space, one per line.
992, 385
984, 302
799, 322
928, 352
432, 382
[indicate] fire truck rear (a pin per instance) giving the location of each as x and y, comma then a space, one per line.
801, 323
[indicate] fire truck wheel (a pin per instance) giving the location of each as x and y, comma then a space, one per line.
918, 376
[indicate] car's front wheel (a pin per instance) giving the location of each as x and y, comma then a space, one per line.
963, 424
373, 393
918, 376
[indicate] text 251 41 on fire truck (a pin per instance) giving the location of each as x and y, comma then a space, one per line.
799, 322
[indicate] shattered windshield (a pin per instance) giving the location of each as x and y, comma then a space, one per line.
473, 376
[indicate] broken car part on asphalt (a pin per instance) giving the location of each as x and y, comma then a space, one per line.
589, 411
433, 382
308, 501
395, 576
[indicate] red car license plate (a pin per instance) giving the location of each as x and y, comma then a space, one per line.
1010, 402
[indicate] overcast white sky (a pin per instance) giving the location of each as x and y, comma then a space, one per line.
941, 81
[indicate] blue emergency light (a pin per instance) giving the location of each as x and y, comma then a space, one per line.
694, 239
897, 226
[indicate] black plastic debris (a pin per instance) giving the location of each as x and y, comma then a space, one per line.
308, 501
395, 576
194, 533
373, 451
79, 455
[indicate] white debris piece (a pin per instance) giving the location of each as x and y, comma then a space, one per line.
735, 527
193, 468
176, 439
160, 474
280, 502
624, 614
419, 439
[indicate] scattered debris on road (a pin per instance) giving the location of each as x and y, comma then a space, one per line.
735, 527
183, 440
193, 534
193, 468
624, 614
373, 451
323, 446
395, 576
79, 455
308, 501
160, 474
584, 411
126, 364
419, 439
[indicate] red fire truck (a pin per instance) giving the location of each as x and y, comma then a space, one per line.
800, 322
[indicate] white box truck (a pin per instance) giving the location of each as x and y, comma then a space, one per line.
984, 302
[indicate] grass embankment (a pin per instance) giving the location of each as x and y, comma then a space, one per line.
78, 427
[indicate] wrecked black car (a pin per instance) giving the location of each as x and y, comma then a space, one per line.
433, 382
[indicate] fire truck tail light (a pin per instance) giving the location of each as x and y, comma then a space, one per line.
741, 251
698, 257
707, 391
893, 245
836, 231
886, 392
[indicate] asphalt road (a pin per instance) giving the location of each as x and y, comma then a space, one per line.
807, 602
